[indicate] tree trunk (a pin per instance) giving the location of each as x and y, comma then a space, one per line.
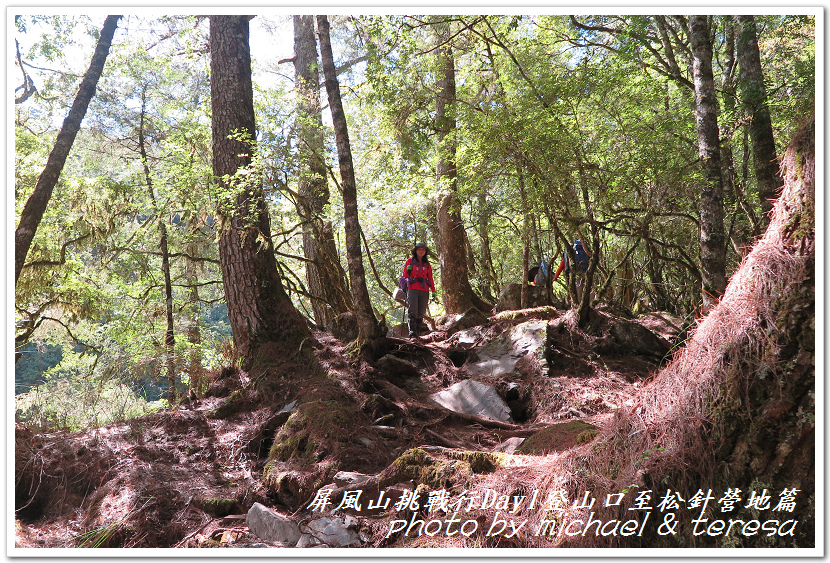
731, 186
169, 336
36, 204
754, 99
367, 324
458, 295
525, 239
486, 259
325, 276
193, 332
584, 310
712, 237
259, 309
525, 270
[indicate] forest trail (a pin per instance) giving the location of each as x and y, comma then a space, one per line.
187, 478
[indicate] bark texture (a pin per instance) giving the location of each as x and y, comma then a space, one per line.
36, 204
754, 99
326, 277
712, 237
259, 309
458, 295
367, 324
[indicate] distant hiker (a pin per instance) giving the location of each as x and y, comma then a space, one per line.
418, 273
538, 274
582, 257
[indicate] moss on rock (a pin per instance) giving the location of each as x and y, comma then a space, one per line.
558, 437
219, 507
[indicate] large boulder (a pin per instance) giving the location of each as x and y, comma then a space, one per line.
510, 298
662, 324
558, 437
500, 356
473, 398
636, 339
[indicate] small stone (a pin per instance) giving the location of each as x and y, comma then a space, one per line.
509, 446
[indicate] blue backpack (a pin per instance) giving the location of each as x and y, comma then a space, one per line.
581, 256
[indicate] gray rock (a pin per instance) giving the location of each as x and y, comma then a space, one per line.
510, 298
271, 526
662, 324
500, 355
637, 339
328, 532
468, 337
397, 367
342, 478
289, 408
509, 446
472, 317
473, 398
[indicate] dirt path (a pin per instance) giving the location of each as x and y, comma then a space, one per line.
183, 478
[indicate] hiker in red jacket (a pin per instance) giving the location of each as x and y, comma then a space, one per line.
418, 271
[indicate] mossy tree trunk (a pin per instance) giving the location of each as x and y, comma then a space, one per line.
754, 99
457, 293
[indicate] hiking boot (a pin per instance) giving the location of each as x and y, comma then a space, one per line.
413, 328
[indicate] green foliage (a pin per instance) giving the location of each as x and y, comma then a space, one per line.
35, 359
76, 395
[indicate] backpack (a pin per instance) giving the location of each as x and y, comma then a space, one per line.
403, 283
581, 256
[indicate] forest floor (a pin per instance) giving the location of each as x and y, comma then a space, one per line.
184, 478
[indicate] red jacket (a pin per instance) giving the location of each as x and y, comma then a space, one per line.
419, 270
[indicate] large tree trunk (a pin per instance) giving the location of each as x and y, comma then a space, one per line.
712, 237
458, 295
259, 309
326, 277
754, 99
367, 324
36, 204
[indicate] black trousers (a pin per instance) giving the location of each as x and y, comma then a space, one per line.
417, 301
